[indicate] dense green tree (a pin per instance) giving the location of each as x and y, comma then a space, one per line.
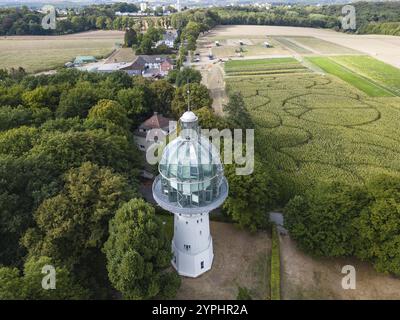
163, 95
109, 112
130, 38
17, 141
29, 285
250, 197
199, 97
209, 120
378, 225
135, 101
138, 252
322, 220
187, 75
77, 101
42, 96
76, 219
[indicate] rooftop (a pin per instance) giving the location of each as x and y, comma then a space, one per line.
156, 121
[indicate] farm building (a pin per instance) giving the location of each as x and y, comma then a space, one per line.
146, 65
79, 60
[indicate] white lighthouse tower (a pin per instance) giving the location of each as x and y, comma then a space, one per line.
191, 184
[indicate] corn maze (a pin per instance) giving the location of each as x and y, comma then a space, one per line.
311, 128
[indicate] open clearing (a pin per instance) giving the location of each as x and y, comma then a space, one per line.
38, 53
305, 277
240, 259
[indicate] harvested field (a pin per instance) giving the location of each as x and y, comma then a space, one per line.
38, 53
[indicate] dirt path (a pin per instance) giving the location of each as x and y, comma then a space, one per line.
213, 79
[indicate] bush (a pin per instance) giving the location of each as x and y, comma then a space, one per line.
275, 267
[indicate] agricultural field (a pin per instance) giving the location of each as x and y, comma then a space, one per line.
293, 46
39, 53
368, 86
320, 46
312, 128
375, 70
263, 66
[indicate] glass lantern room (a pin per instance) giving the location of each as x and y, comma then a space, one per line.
191, 173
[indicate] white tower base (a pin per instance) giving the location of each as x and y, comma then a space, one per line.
192, 245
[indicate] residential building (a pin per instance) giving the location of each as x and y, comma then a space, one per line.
168, 39
159, 126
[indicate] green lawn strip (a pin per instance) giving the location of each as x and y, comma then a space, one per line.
275, 266
382, 73
369, 87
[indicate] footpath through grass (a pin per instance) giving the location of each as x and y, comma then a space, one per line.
366, 85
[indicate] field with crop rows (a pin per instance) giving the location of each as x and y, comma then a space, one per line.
263, 66
313, 128
375, 70
364, 84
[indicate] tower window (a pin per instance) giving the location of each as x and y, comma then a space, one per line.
202, 265
200, 232
187, 247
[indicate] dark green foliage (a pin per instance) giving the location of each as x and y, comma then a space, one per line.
243, 294
14, 286
275, 266
321, 220
187, 75
341, 220
130, 37
77, 101
236, 112
250, 197
199, 98
137, 253
378, 225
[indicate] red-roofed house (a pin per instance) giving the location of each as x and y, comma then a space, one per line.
153, 129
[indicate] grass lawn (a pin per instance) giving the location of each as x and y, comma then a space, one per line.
366, 85
380, 72
36, 54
